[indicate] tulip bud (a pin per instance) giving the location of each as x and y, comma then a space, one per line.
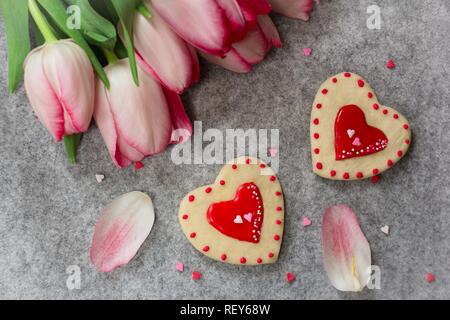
60, 84
162, 53
136, 122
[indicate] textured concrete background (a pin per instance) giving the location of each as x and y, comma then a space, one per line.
48, 209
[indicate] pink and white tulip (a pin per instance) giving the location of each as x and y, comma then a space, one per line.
297, 9
137, 121
123, 226
202, 23
162, 53
60, 84
251, 50
346, 252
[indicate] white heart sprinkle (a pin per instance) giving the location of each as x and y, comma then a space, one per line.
385, 229
99, 177
248, 217
238, 220
351, 133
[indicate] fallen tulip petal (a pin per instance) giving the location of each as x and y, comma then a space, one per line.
202, 23
162, 53
346, 252
123, 226
297, 9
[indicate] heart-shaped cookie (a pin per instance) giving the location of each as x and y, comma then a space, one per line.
353, 136
239, 219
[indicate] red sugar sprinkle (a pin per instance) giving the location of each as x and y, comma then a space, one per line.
385, 111
278, 222
316, 121
243, 260
333, 173
399, 153
279, 209
223, 257
270, 255
316, 136
290, 277
278, 193
259, 260
276, 237
360, 83
370, 95
319, 106
375, 179
375, 171
430, 277
319, 165
324, 91
138, 165
390, 163
262, 165
191, 198
405, 126
346, 176
335, 80
407, 141
222, 182
185, 217
234, 167
395, 116
208, 190
359, 175
390, 64
193, 235
376, 106
205, 248
248, 161
196, 275
273, 178
347, 74
317, 151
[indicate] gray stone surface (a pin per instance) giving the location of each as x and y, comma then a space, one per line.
48, 209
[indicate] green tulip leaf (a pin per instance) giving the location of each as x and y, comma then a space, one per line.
96, 29
16, 23
126, 11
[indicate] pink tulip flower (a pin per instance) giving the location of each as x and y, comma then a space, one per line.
251, 50
137, 121
60, 84
162, 53
297, 9
202, 23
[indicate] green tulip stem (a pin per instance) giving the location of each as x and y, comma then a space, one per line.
71, 145
41, 22
110, 56
144, 10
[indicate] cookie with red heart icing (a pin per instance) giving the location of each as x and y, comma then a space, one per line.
353, 136
239, 219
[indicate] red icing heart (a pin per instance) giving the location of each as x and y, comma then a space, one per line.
354, 137
240, 218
